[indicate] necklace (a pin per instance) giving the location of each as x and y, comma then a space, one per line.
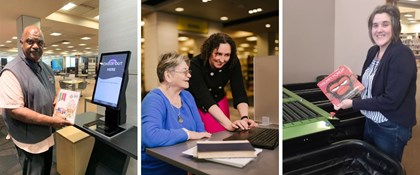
180, 119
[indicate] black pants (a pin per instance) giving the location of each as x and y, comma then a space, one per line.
35, 164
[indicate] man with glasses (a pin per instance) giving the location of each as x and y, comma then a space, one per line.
27, 94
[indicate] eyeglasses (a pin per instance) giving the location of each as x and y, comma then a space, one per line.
186, 72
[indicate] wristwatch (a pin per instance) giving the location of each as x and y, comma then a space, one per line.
244, 117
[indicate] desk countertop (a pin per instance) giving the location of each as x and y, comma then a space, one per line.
125, 142
266, 163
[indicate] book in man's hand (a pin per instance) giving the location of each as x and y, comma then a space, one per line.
66, 106
340, 85
224, 149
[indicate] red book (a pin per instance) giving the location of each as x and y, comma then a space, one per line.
340, 85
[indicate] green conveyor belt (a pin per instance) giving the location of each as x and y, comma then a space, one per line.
301, 117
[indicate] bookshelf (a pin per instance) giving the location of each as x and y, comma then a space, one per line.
92, 66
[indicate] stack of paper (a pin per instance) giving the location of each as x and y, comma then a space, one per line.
236, 162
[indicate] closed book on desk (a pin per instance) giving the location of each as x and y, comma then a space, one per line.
224, 149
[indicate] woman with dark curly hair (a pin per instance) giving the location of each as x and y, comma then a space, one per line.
217, 65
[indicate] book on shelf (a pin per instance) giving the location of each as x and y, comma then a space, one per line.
235, 162
224, 149
66, 106
340, 85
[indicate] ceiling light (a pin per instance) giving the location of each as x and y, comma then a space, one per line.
182, 38
65, 42
2, 45
184, 49
179, 9
57, 49
142, 23
410, 19
85, 38
142, 40
240, 49
244, 45
408, 15
252, 11
82, 44
8, 41
224, 18
74, 50
87, 48
70, 47
267, 25
68, 6
54, 45
276, 41
413, 0
206, 1
14, 37
251, 38
55, 34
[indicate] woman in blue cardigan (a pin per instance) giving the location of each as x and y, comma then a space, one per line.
389, 75
169, 114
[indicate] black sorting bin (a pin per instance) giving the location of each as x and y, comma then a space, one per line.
343, 157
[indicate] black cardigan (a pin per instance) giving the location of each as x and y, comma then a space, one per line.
207, 84
394, 85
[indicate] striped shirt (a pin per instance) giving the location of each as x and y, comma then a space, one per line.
367, 79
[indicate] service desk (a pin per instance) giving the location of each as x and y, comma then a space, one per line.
267, 162
109, 155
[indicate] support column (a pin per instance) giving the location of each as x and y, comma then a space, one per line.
161, 36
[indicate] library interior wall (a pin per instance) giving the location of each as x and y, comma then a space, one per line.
118, 32
330, 33
308, 39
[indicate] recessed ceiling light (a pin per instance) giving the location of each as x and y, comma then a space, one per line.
142, 23
57, 49
8, 41
224, 18
251, 38
413, 0
412, 21
179, 9
82, 44
244, 45
142, 40
70, 47
240, 49
206, 1
267, 25
184, 49
87, 48
74, 50
276, 41
182, 38
68, 6
54, 45
65, 42
55, 34
85, 38
2, 45
14, 37
252, 11
408, 15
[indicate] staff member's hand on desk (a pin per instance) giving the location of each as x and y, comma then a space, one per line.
244, 124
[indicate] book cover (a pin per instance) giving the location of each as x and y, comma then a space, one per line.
66, 105
235, 162
340, 85
224, 149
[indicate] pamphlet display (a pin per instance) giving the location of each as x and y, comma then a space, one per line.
66, 106
340, 85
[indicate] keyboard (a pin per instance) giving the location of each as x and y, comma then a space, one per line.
267, 138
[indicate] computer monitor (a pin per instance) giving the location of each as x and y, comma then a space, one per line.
109, 91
